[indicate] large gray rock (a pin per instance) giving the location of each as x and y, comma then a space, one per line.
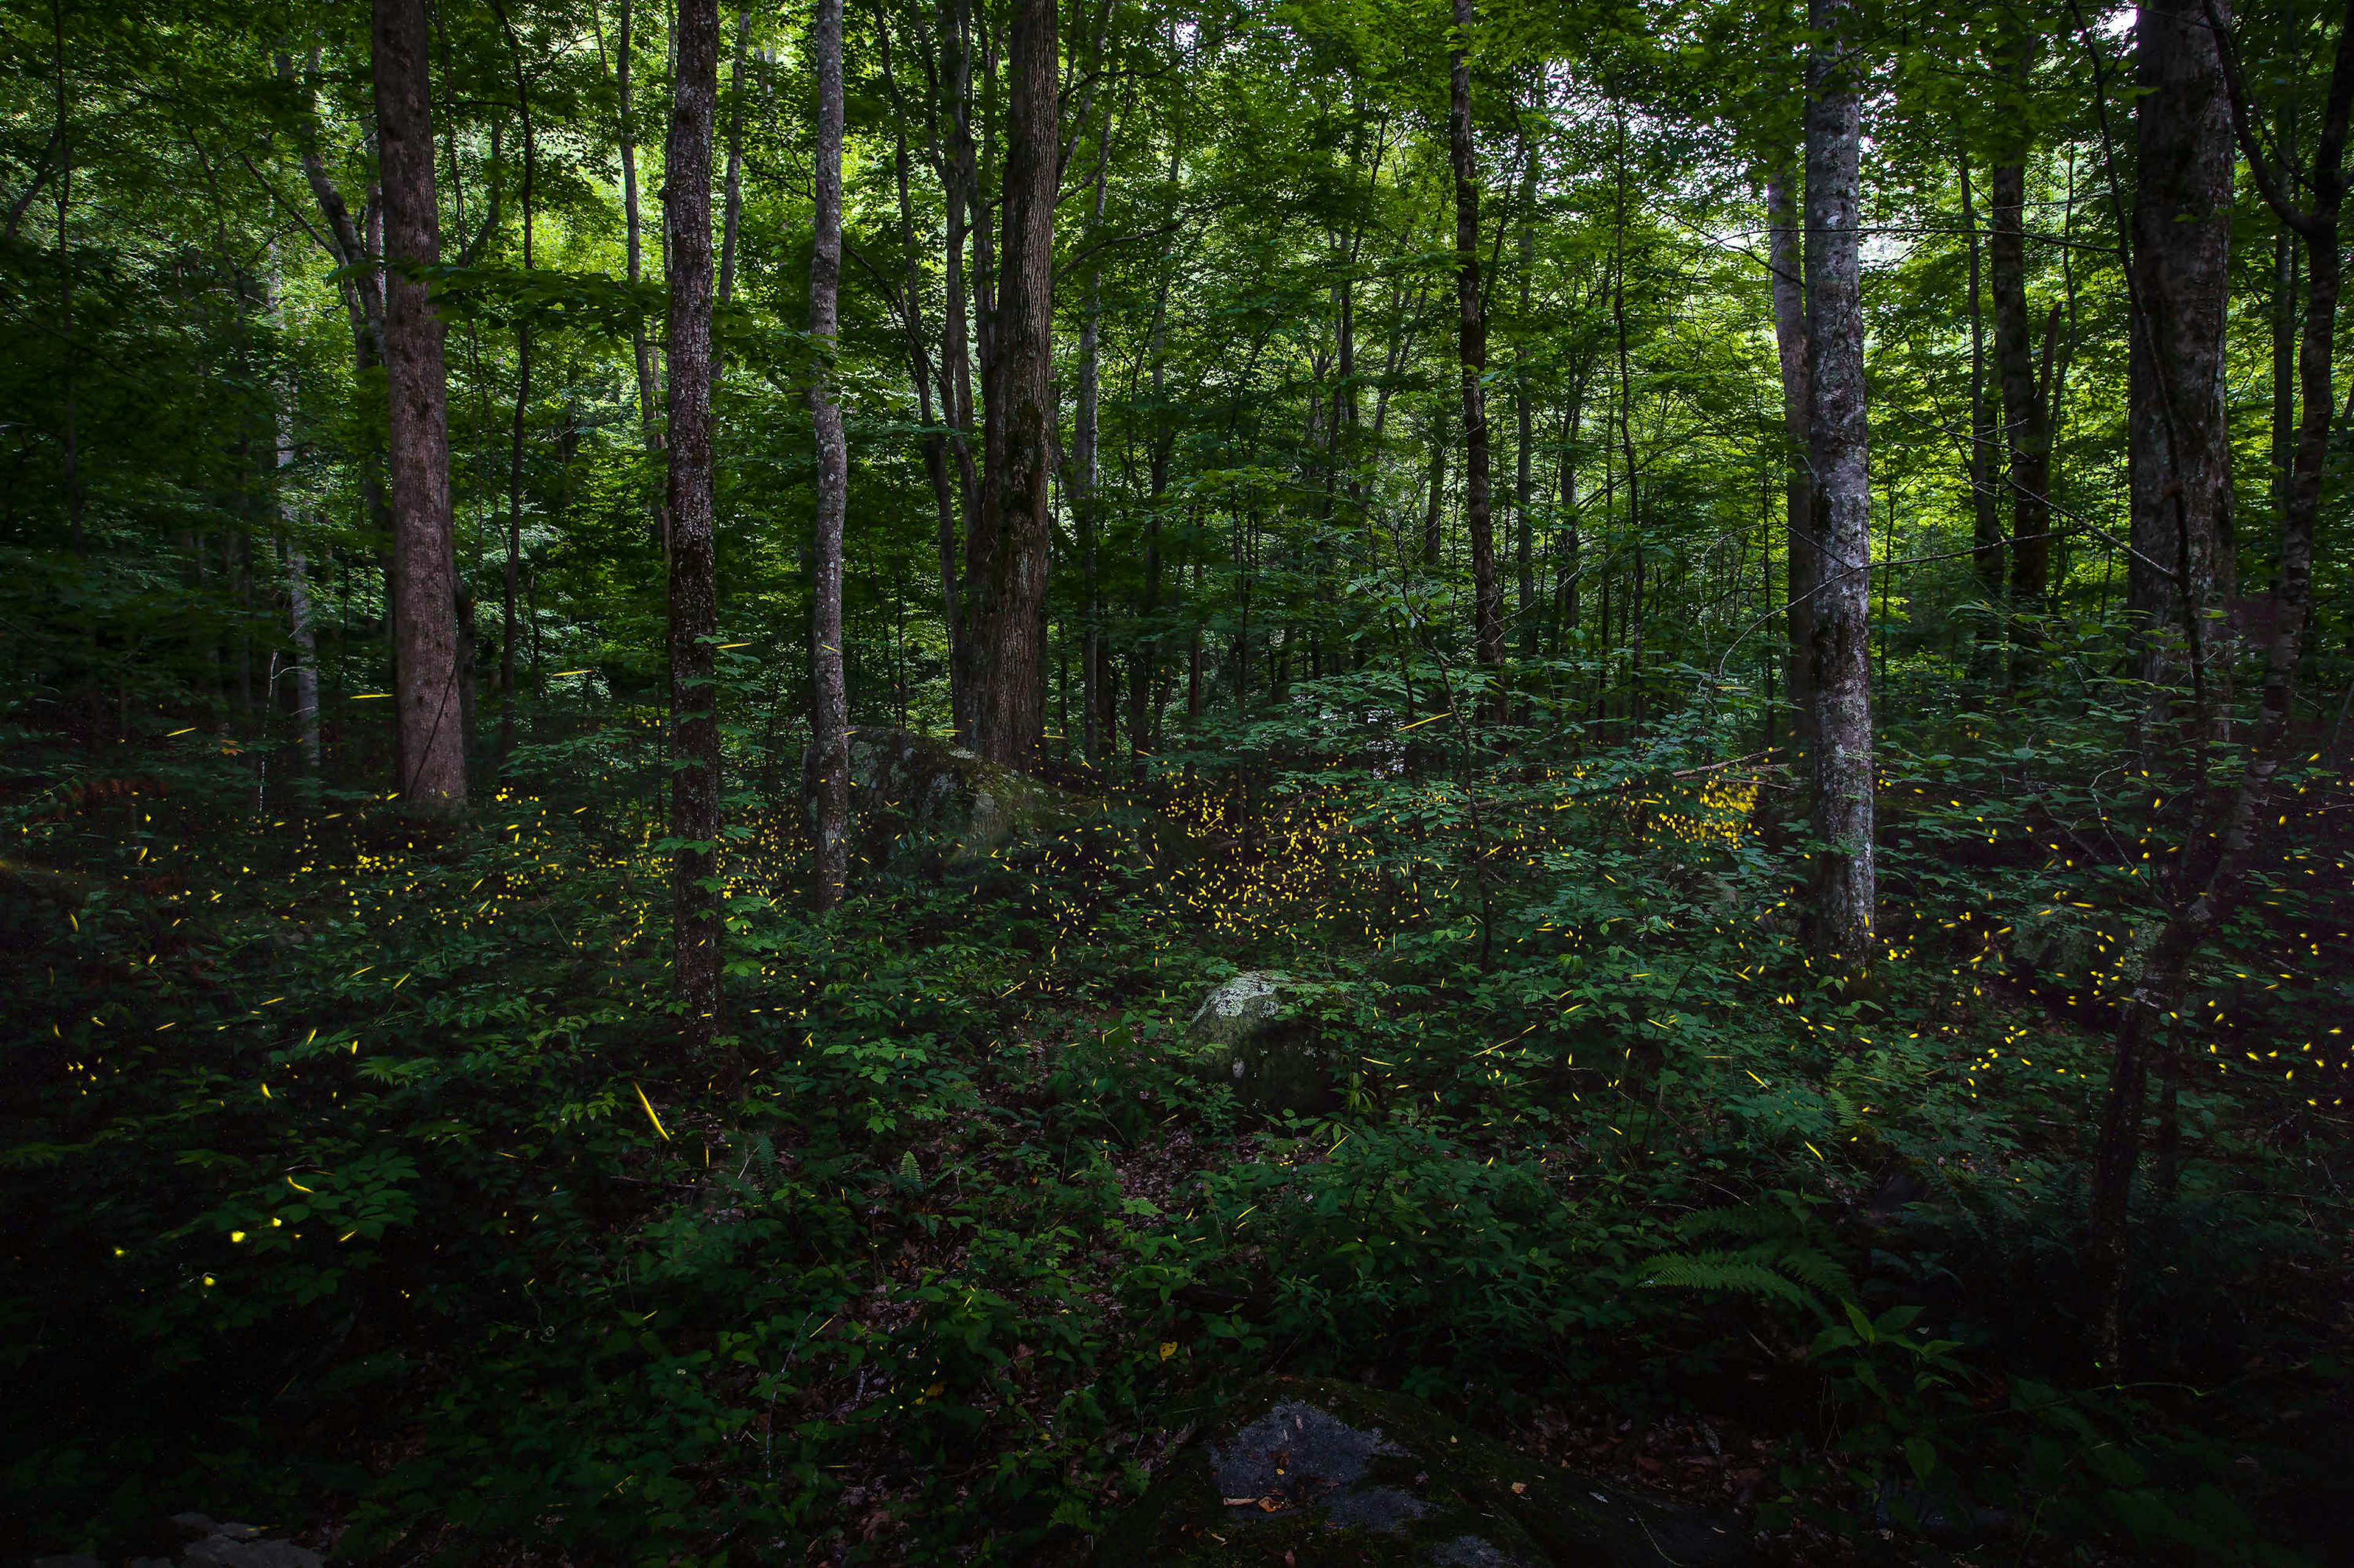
1313, 1473
227, 1551
909, 790
1255, 1032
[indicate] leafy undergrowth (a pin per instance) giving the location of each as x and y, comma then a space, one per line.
350, 1178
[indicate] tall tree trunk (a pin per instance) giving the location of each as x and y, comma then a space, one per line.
2026, 426
2284, 431
1487, 593
1006, 553
1435, 514
511, 579
2238, 829
1837, 435
1141, 720
1523, 415
961, 195
935, 445
1804, 546
299, 628
425, 625
829, 698
1096, 677
1571, 537
633, 230
1984, 462
694, 583
362, 286
2179, 454
731, 198
1632, 606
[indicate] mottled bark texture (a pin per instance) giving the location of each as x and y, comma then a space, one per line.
1984, 468
1471, 339
2237, 831
697, 928
1097, 678
633, 234
2180, 455
425, 623
1805, 551
302, 632
2027, 430
1005, 550
1845, 882
829, 699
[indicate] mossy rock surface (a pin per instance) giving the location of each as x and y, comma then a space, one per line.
1256, 1032
1317, 1473
925, 795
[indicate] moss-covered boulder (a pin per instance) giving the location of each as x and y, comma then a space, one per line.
1257, 1032
1313, 1473
925, 795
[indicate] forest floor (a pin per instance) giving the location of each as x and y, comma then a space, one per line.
374, 1150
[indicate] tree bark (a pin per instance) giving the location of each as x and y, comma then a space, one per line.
694, 585
829, 699
961, 195
1143, 719
510, 578
1096, 675
1803, 545
1524, 419
1984, 462
1435, 512
301, 631
2283, 414
732, 197
425, 625
920, 366
1005, 553
1845, 891
2238, 835
2178, 457
2027, 429
1487, 593
634, 231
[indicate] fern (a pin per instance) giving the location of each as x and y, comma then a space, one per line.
1723, 1271
1787, 1259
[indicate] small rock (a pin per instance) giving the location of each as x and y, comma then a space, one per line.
221, 1551
196, 1524
1316, 1473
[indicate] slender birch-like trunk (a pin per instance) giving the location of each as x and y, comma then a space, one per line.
1984, 462
1487, 593
2027, 430
697, 930
1804, 547
300, 628
1845, 871
829, 701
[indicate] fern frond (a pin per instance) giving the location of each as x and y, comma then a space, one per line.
1722, 1271
1755, 1221
1809, 1266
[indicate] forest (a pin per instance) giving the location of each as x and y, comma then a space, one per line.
949, 782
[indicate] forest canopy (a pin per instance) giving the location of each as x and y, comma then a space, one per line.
775, 776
